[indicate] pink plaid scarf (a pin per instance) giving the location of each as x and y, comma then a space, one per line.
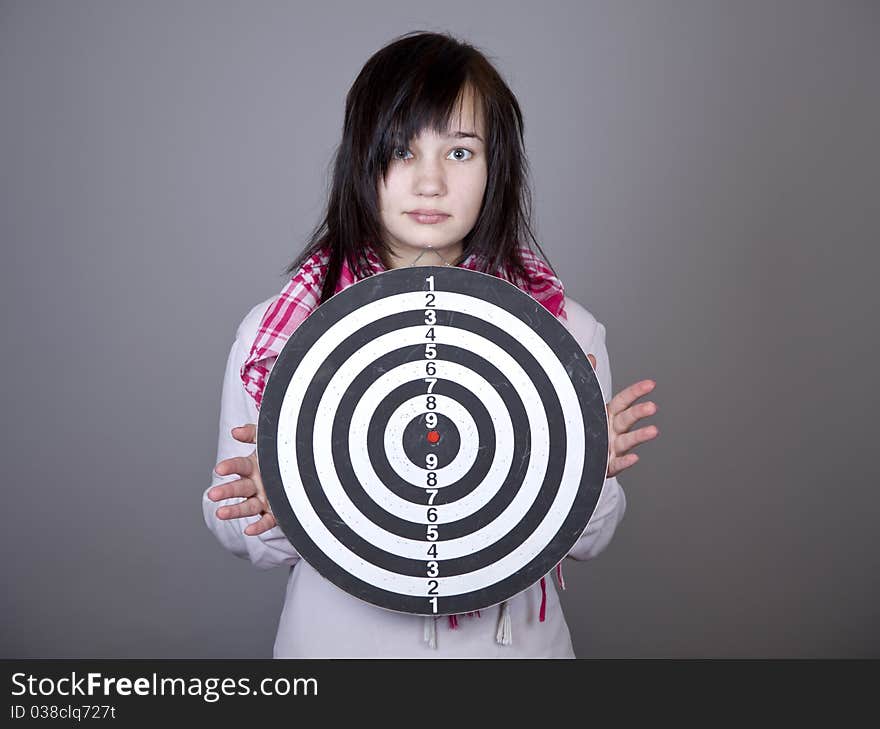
301, 295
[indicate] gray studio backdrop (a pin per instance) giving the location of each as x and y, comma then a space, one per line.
706, 178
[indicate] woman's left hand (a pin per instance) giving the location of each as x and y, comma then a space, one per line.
622, 415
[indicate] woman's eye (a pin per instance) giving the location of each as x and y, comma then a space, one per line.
458, 151
462, 149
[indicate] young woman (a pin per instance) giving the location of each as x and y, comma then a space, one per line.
430, 171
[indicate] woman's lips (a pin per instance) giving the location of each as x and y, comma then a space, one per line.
429, 219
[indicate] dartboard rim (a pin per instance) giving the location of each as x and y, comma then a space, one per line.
476, 284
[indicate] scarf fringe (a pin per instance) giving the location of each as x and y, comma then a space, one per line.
560, 580
543, 612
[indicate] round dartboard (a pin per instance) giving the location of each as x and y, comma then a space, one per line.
432, 440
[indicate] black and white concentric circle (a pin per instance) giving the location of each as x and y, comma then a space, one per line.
432, 440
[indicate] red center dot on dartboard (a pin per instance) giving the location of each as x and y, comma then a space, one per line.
433, 436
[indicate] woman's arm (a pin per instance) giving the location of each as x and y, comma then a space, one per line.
271, 548
590, 335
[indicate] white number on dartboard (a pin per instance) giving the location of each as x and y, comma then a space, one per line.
431, 461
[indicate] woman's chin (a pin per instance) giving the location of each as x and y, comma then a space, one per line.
425, 253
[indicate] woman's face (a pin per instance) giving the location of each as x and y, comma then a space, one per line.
438, 172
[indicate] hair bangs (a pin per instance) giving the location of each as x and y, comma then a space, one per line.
431, 100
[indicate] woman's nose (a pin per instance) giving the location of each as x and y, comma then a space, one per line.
429, 178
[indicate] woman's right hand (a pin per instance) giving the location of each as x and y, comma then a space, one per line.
249, 486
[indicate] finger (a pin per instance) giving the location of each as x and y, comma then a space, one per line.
240, 487
242, 465
248, 507
626, 397
592, 358
622, 422
626, 441
263, 525
245, 433
616, 465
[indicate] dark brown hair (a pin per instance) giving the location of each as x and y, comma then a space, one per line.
410, 85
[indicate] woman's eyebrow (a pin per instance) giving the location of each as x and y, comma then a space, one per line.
457, 135
464, 135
